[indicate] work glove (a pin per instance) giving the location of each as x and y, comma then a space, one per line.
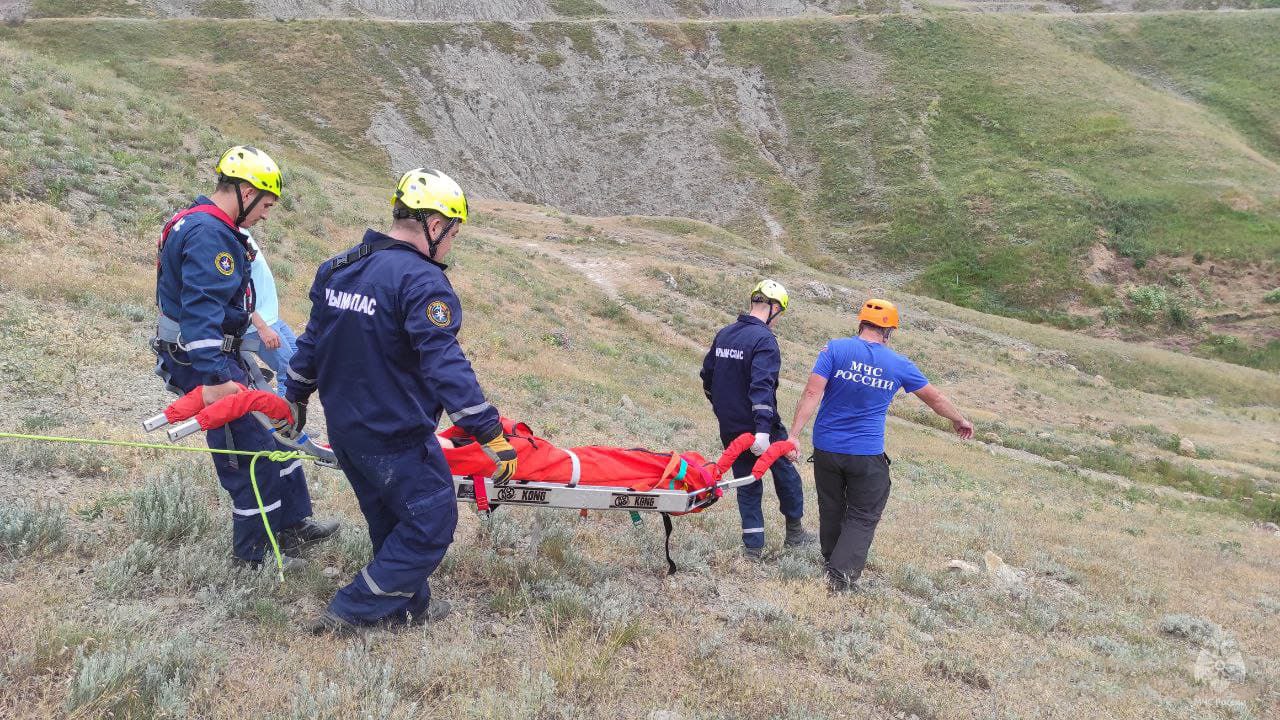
289, 430
501, 453
761, 444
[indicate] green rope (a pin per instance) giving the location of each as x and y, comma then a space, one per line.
278, 456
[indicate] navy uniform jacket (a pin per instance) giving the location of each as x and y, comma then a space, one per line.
740, 378
381, 347
203, 284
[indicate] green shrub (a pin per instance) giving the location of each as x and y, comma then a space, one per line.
30, 531
169, 511
137, 679
1272, 297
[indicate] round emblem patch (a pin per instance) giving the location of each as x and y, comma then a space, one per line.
224, 263
438, 313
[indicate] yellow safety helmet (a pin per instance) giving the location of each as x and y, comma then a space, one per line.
881, 313
253, 166
773, 290
432, 190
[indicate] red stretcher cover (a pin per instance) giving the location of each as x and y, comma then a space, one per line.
538, 460
638, 469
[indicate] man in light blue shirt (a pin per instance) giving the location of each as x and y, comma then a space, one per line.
278, 341
855, 379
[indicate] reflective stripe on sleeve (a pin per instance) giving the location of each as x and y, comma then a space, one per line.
373, 586
201, 344
295, 465
748, 531
467, 412
762, 407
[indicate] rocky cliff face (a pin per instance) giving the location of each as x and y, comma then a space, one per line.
611, 120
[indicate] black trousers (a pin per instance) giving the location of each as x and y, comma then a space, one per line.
852, 492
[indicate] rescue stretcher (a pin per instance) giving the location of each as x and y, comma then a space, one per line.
635, 480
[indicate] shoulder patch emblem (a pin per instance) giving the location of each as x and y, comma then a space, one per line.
224, 263
438, 313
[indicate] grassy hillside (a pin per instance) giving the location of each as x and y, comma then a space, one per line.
1134, 564
1117, 172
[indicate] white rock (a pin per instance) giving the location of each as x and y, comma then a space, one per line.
962, 566
1186, 447
331, 572
999, 571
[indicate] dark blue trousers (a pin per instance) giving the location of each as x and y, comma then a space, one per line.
283, 485
786, 482
408, 500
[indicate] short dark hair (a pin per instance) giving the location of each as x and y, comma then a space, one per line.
226, 184
883, 330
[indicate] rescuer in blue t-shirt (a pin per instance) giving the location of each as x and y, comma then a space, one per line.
855, 379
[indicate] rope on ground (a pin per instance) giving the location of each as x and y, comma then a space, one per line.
278, 456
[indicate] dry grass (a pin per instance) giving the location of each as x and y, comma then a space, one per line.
562, 617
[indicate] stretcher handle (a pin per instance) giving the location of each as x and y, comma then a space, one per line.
183, 429
155, 422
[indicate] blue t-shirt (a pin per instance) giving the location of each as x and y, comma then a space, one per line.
862, 378
267, 302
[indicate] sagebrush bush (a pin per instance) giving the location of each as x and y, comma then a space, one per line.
365, 688
32, 530
137, 678
120, 575
1189, 627
168, 511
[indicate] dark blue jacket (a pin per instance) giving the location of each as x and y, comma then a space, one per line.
203, 283
381, 347
740, 378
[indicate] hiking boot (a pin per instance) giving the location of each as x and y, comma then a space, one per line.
288, 564
797, 535
436, 610
330, 623
753, 554
307, 532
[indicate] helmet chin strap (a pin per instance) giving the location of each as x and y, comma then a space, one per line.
772, 313
241, 209
433, 244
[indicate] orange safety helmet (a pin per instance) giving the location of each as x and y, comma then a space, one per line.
881, 313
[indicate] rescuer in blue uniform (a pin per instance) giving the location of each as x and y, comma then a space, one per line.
205, 297
740, 378
381, 348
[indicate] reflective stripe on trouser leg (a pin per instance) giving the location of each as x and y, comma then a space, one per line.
408, 498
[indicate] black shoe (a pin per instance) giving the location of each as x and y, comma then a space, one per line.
307, 532
329, 623
797, 535
753, 554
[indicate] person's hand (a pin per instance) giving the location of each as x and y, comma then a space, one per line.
214, 393
794, 455
963, 428
270, 338
291, 430
761, 444
499, 450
